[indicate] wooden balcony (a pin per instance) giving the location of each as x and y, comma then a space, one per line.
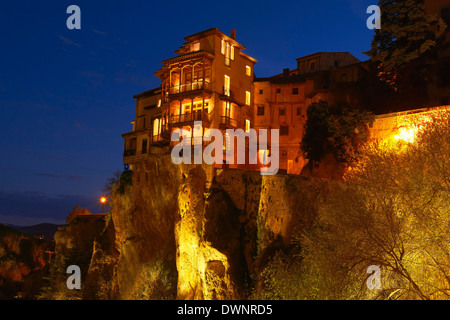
189, 88
228, 122
129, 153
189, 118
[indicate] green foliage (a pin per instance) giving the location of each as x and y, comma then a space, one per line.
124, 181
336, 130
392, 212
156, 281
54, 285
281, 279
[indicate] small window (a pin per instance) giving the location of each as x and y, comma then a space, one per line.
284, 130
278, 90
195, 46
247, 98
260, 110
223, 47
282, 112
261, 91
248, 71
144, 146
294, 90
159, 103
299, 111
226, 87
247, 125
312, 66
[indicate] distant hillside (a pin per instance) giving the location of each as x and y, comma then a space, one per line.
45, 229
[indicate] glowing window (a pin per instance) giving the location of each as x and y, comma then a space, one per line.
159, 103
248, 71
247, 125
227, 145
264, 156
228, 51
223, 47
195, 46
226, 86
247, 98
156, 127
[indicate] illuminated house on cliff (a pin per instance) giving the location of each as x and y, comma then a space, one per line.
211, 81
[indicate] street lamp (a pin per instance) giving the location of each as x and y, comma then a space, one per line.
103, 201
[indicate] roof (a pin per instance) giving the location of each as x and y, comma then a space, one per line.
207, 32
322, 52
148, 93
189, 55
299, 78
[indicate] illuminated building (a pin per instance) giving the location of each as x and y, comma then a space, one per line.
209, 80
280, 102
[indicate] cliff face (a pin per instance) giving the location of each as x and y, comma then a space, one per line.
144, 220
185, 232
191, 232
87, 242
23, 259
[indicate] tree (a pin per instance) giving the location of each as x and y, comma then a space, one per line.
336, 130
112, 182
407, 34
392, 212
118, 182
77, 211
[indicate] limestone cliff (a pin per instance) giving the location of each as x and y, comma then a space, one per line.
194, 232
186, 232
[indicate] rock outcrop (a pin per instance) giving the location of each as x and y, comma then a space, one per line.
194, 232
185, 232
23, 262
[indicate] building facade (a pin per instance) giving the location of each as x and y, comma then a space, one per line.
280, 102
207, 84
210, 84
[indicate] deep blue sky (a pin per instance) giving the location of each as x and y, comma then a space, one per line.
66, 95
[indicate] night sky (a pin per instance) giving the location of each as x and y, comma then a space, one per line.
66, 95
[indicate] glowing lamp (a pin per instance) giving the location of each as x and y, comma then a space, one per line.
406, 134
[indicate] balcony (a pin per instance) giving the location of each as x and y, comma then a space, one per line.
129, 153
227, 122
194, 86
189, 117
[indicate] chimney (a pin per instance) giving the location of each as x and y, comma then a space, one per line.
286, 72
233, 34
